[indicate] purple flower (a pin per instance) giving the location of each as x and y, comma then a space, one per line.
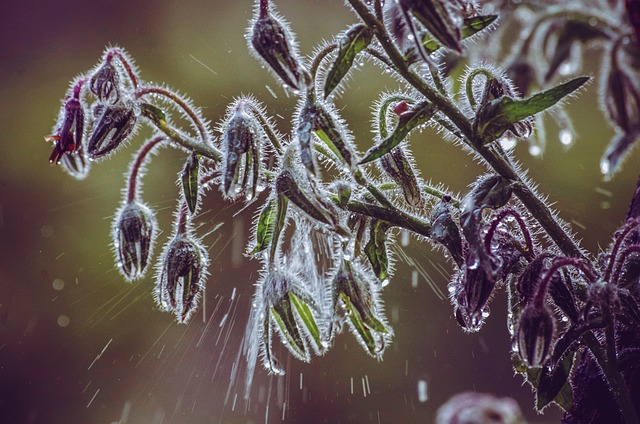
68, 137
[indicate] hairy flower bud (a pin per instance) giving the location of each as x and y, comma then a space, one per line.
105, 83
68, 137
241, 140
397, 165
273, 42
437, 19
355, 292
479, 408
535, 332
445, 231
134, 231
114, 125
181, 276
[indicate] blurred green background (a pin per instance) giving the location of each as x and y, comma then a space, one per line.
79, 345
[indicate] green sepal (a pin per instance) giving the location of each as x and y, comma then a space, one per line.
376, 249
154, 113
282, 204
356, 39
288, 327
270, 361
414, 117
328, 130
306, 316
553, 385
359, 326
265, 226
470, 27
494, 119
190, 183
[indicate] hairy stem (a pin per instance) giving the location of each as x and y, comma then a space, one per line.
132, 185
498, 163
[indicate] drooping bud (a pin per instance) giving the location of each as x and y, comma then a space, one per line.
105, 83
273, 41
291, 313
309, 201
622, 92
68, 137
356, 294
445, 231
315, 118
398, 166
241, 141
134, 231
114, 124
437, 19
535, 332
181, 276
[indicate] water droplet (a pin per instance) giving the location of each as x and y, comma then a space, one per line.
63, 321
414, 279
405, 237
384, 283
605, 168
508, 143
58, 284
535, 150
566, 137
423, 394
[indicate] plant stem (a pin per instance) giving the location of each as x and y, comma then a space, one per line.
182, 103
615, 380
177, 137
132, 186
539, 210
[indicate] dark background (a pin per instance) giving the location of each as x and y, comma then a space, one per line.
79, 345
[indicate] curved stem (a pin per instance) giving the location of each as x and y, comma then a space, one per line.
469, 83
176, 136
539, 210
132, 183
182, 103
529, 251
315, 65
556, 265
115, 52
270, 133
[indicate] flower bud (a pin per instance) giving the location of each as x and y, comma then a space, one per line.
622, 94
134, 232
105, 84
445, 231
273, 42
115, 124
181, 276
69, 135
353, 291
535, 332
437, 19
397, 165
309, 201
240, 140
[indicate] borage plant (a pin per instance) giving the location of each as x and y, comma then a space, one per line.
329, 212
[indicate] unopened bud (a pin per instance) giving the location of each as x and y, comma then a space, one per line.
113, 127
69, 135
105, 83
181, 278
535, 332
274, 44
437, 19
134, 232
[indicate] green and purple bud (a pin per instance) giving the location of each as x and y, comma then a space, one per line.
134, 231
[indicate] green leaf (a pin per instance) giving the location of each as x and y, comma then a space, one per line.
279, 223
358, 325
190, 181
288, 329
376, 249
265, 225
553, 385
470, 27
356, 39
495, 118
414, 117
154, 113
304, 312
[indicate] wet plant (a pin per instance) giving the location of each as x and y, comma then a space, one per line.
328, 212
